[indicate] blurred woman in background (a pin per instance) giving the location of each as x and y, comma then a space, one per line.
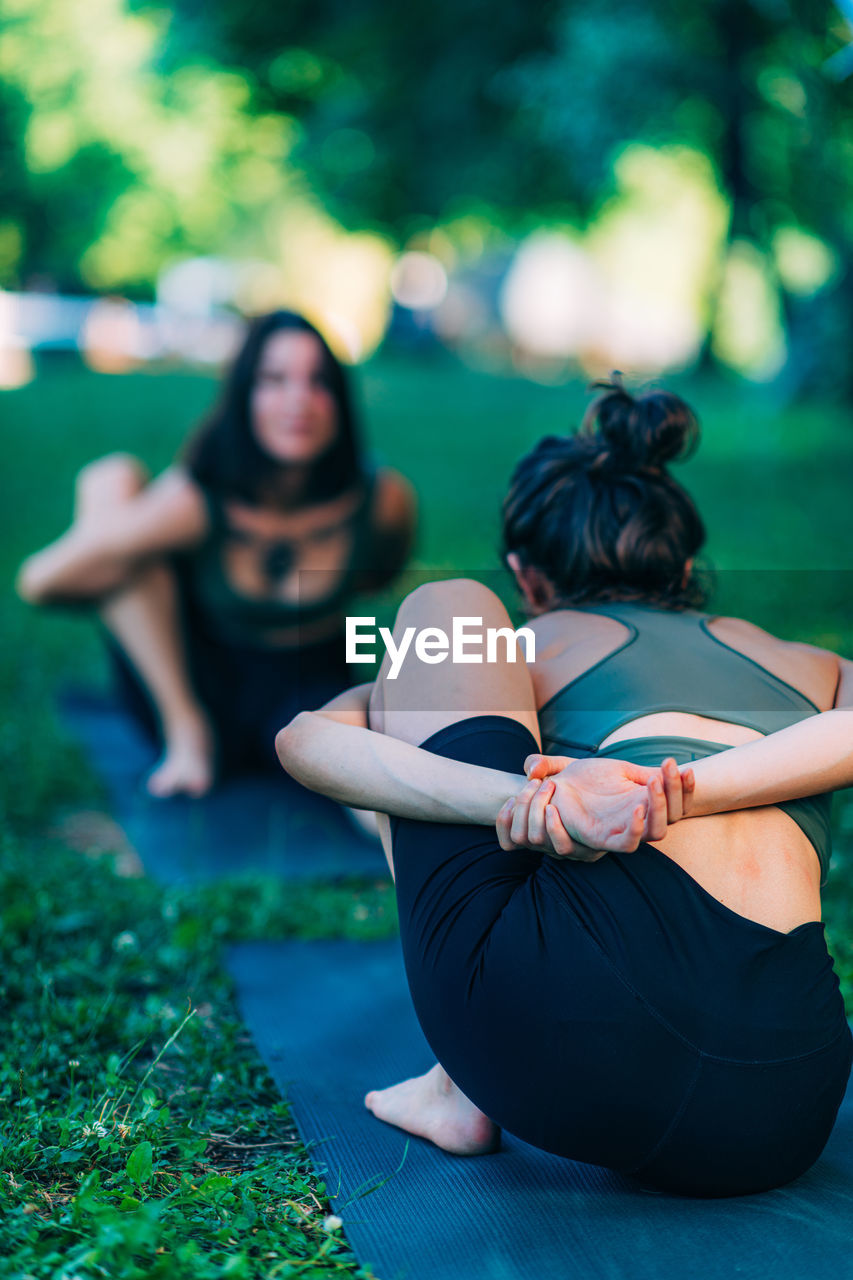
223, 584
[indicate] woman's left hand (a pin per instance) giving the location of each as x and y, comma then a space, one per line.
581, 809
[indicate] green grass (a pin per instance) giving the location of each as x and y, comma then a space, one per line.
141, 1134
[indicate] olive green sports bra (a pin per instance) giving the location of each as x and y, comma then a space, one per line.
671, 661
227, 614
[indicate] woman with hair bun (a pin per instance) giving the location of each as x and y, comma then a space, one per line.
223, 583
599, 514
603, 979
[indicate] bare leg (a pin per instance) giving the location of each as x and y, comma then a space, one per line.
422, 700
425, 698
144, 617
364, 820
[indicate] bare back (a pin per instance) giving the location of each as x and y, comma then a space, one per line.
757, 862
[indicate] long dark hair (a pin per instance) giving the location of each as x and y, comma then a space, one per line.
224, 455
598, 512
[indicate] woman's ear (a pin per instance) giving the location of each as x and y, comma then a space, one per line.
513, 560
532, 583
688, 569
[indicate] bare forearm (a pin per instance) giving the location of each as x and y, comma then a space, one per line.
77, 565
808, 758
369, 770
98, 551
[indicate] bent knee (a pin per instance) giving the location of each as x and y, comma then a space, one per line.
114, 478
432, 601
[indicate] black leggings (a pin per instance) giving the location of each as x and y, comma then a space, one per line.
614, 1012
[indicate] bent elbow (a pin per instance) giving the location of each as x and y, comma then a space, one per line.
30, 585
290, 741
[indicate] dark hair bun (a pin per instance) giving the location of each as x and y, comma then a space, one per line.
643, 431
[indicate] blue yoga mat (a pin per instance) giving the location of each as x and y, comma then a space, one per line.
245, 826
333, 1019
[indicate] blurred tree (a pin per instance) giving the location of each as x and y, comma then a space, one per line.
132, 132
414, 113
109, 167
402, 106
743, 81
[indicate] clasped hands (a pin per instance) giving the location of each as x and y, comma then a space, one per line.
582, 809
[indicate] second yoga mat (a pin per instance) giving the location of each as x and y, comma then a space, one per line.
333, 1019
246, 826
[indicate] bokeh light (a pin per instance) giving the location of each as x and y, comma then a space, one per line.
748, 334
418, 281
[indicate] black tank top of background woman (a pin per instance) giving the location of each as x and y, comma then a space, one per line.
233, 617
670, 660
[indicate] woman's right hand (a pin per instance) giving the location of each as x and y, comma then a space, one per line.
678, 781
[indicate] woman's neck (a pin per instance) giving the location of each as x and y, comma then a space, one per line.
284, 490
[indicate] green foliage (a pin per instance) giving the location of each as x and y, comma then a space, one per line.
518, 109
401, 108
110, 167
133, 134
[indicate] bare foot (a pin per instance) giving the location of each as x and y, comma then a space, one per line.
97, 835
187, 766
432, 1107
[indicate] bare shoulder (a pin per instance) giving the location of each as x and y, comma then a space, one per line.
813, 671
561, 629
394, 500
569, 643
844, 693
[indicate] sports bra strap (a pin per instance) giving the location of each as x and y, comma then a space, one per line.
668, 661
